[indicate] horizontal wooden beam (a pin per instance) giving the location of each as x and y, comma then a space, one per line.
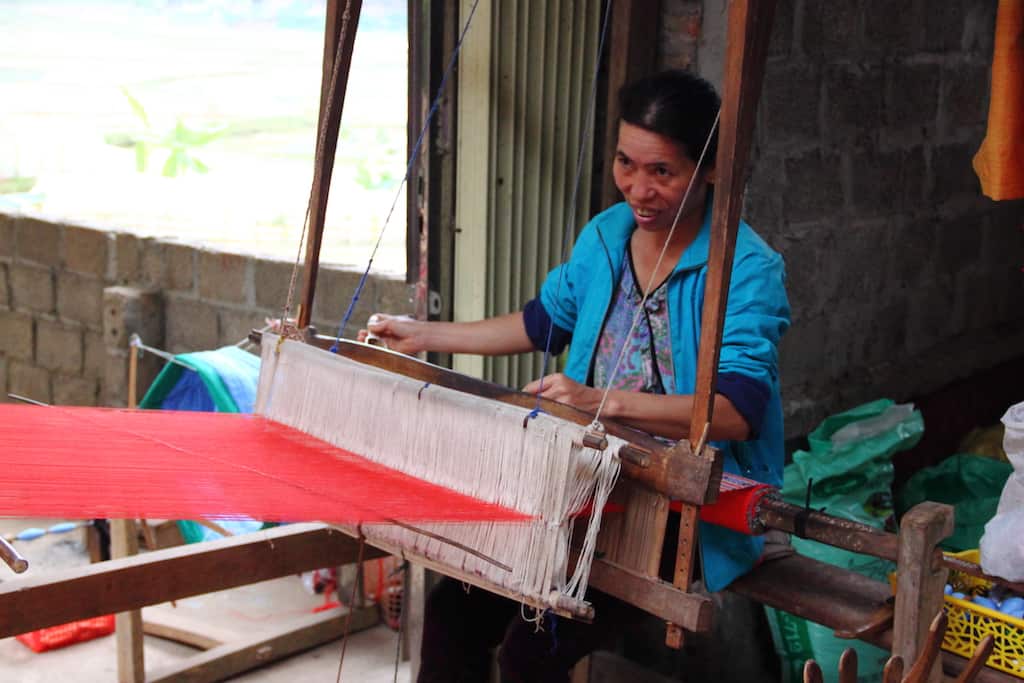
52, 598
691, 611
235, 657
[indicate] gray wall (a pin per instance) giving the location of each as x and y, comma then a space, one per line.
902, 276
70, 296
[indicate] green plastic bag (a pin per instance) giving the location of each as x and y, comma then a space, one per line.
970, 483
849, 469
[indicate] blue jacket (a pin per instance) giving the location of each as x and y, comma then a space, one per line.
578, 294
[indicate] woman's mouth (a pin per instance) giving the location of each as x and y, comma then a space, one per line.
644, 216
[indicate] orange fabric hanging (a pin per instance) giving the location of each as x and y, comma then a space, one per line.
999, 162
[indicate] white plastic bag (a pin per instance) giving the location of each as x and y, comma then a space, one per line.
1002, 546
1013, 437
1012, 497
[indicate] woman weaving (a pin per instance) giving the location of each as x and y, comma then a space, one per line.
666, 122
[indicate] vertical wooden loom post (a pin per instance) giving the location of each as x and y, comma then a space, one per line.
339, 40
750, 23
124, 541
920, 578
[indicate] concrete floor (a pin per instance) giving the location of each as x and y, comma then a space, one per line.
246, 611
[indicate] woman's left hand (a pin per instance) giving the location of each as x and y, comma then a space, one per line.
558, 387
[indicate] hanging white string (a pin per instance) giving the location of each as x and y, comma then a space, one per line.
657, 265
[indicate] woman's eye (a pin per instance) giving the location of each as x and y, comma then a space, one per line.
662, 172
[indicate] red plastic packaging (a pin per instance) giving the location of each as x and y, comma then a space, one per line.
66, 634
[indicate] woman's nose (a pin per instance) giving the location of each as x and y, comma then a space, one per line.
642, 189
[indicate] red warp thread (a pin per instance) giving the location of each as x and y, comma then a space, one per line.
102, 462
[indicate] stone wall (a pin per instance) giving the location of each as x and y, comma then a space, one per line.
70, 296
901, 275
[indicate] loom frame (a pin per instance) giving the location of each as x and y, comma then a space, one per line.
822, 593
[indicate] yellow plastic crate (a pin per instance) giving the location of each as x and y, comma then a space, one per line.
969, 623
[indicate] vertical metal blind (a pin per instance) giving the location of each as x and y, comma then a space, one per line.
542, 60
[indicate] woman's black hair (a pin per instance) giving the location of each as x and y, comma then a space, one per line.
675, 104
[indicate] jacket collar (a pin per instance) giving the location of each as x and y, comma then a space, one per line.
619, 225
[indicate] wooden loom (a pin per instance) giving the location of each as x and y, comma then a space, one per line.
688, 472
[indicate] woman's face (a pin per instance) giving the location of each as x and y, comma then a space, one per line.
652, 172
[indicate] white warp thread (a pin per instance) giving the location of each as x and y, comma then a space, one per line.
467, 443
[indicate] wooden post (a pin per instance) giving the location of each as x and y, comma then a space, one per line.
124, 542
920, 579
339, 40
131, 667
750, 25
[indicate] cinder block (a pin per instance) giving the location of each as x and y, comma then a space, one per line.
927, 323
913, 96
888, 183
885, 336
80, 298
392, 294
59, 346
820, 194
7, 236
38, 241
952, 173
191, 325
335, 288
74, 391
943, 25
965, 94
28, 381
802, 350
235, 325
864, 278
224, 277
789, 103
891, 27
831, 29
94, 355
781, 42
115, 378
854, 97
181, 267
154, 264
16, 335
86, 250
911, 254
978, 36
31, 288
128, 258
271, 280
958, 243
127, 311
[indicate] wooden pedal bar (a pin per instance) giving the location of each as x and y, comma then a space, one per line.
52, 598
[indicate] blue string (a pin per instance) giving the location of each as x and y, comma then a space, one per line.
553, 619
408, 169
571, 223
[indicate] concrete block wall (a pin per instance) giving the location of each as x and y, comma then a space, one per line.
69, 293
901, 275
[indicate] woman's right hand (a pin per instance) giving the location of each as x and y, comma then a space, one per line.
399, 333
